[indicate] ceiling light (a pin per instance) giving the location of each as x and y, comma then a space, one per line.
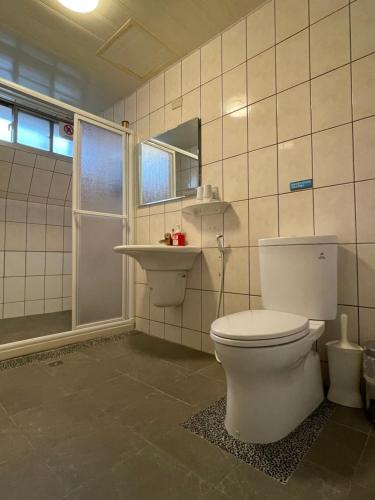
81, 6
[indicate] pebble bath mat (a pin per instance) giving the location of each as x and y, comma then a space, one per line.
280, 459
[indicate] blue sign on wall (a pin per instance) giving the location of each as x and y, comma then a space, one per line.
305, 184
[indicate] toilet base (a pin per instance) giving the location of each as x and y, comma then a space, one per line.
263, 405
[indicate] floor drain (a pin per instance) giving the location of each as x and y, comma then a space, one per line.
56, 363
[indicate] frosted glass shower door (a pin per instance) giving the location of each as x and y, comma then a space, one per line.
99, 223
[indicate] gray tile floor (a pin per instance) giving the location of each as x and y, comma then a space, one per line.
39, 325
103, 424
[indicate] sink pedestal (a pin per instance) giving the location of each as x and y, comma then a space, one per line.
167, 288
166, 270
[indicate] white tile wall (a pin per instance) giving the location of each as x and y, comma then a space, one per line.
292, 61
261, 76
291, 16
172, 83
35, 233
234, 46
330, 42
211, 60
304, 108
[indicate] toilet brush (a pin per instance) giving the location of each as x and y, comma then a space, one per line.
344, 364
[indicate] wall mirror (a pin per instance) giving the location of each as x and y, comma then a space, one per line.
168, 164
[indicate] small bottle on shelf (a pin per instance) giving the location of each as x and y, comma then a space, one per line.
178, 237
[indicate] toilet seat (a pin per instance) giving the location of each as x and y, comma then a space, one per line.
259, 328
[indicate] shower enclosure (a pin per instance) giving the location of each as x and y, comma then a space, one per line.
101, 216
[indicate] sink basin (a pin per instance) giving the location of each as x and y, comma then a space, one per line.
166, 270
161, 257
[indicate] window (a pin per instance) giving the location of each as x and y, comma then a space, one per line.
33, 130
6, 120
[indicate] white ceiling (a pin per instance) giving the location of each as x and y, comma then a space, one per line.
54, 50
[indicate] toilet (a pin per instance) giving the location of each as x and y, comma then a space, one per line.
272, 369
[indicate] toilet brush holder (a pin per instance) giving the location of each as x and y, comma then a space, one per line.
344, 364
345, 376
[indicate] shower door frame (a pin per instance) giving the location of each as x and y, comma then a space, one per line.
127, 204
88, 332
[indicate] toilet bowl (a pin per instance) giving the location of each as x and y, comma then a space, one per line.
273, 375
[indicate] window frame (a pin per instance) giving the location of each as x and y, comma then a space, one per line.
8, 105
51, 122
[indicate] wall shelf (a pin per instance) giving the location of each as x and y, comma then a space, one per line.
206, 208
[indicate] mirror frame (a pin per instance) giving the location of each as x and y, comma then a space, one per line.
139, 159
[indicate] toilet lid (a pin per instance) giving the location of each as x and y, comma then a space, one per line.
259, 325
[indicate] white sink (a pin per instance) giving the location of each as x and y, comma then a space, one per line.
161, 257
166, 270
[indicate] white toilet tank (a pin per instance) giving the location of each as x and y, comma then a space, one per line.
299, 275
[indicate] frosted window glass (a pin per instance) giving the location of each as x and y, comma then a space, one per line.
100, 269
156, 174
33, 131
6, 119
101, 170
61, 145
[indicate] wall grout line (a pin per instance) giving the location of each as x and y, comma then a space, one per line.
311, 123
354, 176
277, 126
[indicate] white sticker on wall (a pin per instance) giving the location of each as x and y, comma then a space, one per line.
66, 129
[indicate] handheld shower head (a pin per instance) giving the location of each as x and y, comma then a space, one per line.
219, 242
